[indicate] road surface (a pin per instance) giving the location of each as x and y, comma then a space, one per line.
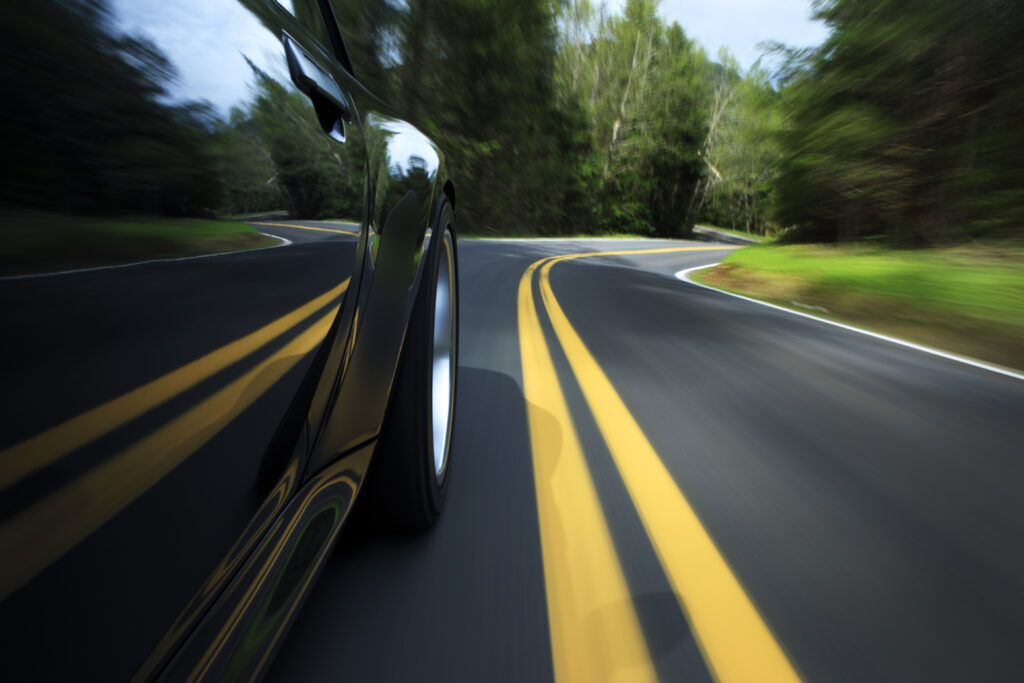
865, 496
650, 480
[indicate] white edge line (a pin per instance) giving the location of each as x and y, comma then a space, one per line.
284, 243
684, 275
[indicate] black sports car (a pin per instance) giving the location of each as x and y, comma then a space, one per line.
229, 289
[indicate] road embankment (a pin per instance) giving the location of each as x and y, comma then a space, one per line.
967, 300
709, 232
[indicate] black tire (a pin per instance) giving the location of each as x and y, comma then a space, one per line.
405, 490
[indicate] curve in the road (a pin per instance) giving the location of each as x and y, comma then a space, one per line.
865, 495
311, 227
590, 610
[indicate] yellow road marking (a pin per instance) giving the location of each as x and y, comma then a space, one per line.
309, 227
21, 460
44, 531
735, 640
595, 632
335, 473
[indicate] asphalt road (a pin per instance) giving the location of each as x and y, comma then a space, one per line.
650, 479
865, 497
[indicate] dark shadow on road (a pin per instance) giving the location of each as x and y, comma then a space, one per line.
461, 602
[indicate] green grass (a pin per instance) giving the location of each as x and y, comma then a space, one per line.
740, 233
967, 299
42, 242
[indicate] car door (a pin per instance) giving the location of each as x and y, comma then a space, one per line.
169, 319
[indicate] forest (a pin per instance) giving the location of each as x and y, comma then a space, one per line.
903, 127
560, 117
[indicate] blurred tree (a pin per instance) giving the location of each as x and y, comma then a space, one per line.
556, 117
477, 76
646, 89
317, 178
906, 123
742, 150
84, 123
245, 167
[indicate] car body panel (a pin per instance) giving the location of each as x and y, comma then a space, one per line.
244, 391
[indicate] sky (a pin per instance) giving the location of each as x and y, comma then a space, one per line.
190, 33
741, 24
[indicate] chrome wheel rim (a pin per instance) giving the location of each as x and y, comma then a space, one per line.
442, 382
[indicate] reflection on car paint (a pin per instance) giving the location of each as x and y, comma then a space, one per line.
166, 424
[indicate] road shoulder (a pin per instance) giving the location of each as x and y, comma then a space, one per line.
698, 276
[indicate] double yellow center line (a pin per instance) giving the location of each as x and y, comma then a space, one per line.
595, 631
309, 227
39, 534
594, 627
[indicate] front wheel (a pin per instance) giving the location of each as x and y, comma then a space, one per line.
409, 478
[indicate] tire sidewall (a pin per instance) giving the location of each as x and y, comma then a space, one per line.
437, 490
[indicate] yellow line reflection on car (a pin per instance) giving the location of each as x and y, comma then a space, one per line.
21, 460
41, 533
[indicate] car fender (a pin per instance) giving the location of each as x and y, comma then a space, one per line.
407, 175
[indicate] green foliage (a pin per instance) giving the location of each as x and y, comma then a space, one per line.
91, 130
983, 281
477, 74
641, 90
743, 150
968, 299
245, 167
316, 179
556, 118
905, 124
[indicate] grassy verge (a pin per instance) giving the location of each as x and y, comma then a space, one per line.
968, 300
38, 242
